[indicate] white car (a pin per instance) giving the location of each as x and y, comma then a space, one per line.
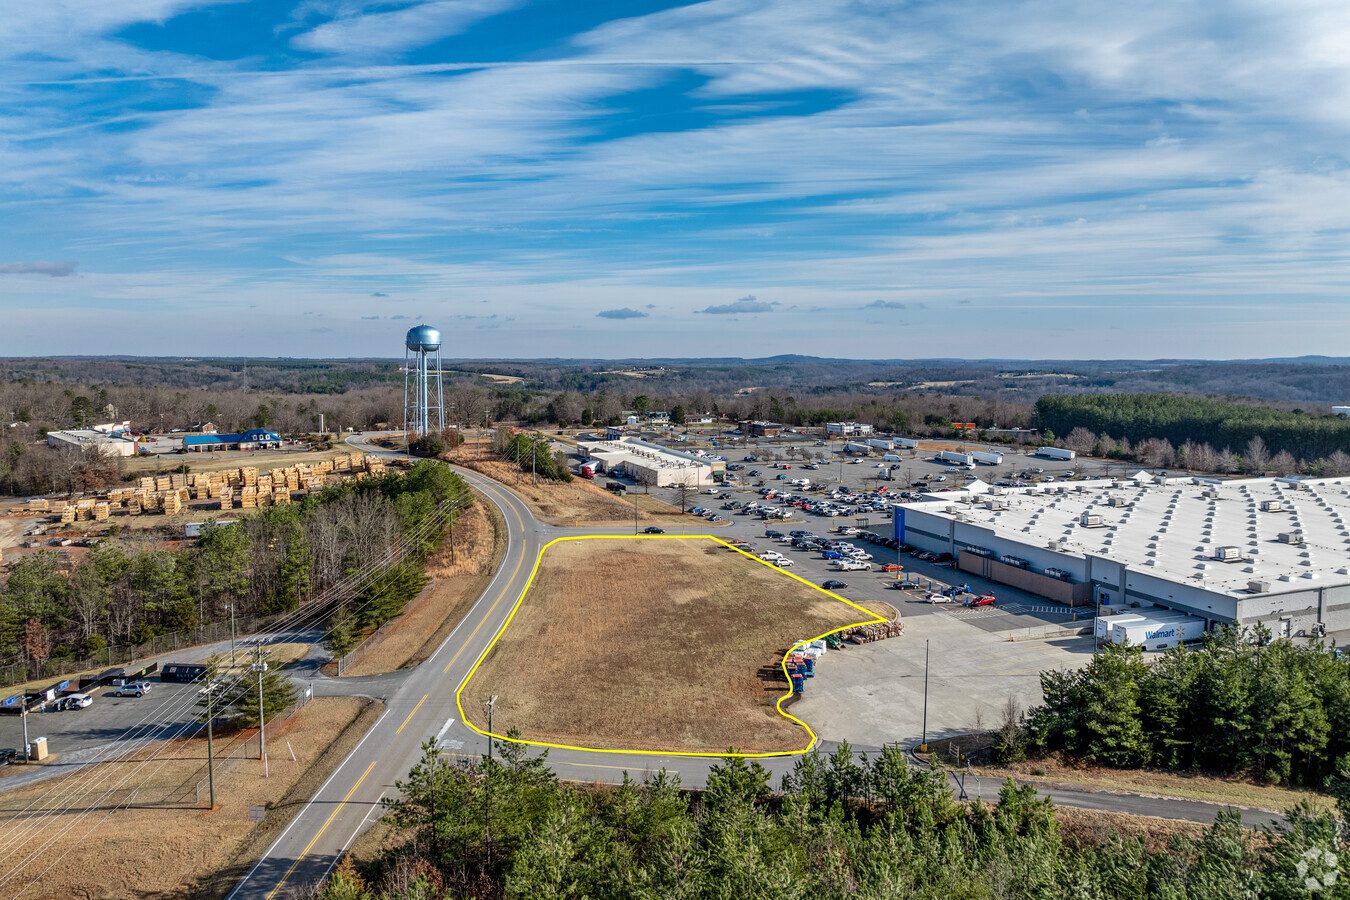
73, 701
940, 598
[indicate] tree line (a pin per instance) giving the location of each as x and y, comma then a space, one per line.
1238, 704
840, 826
1225, 426
126, 591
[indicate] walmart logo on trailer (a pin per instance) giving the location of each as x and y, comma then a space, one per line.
1153, 635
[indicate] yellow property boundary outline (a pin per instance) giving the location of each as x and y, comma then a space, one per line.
459, 703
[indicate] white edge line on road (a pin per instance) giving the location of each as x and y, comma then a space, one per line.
372, 730
359, 828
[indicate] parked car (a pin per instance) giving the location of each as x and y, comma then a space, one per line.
654, 530
892, 567
132, 689
73, 701
834, 584
982, 600
8, 756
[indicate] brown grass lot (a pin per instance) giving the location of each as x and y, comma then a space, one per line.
1091, 826
480, 541
652, 644
230, 459
189, 852
1232, 790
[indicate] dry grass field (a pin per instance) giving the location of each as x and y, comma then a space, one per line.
480, 541
150, 851
664, 644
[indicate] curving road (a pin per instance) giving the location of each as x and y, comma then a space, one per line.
420, 704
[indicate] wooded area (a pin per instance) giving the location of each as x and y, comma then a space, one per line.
270, 561
1239, 703
843, 826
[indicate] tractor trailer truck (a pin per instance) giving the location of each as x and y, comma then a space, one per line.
987, 457
1159, 633
907, 443
1056, 453
960, 459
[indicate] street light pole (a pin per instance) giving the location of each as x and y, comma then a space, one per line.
924, 746
232, 660
260, 667
210, 743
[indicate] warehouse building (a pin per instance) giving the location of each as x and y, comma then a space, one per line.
1273, 551
80, 438
652, 464
253, 439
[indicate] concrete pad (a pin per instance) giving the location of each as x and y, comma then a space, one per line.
873, 694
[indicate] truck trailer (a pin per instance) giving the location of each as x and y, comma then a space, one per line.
987, 457
854, 447
1157, 633
881, 443
1103, 625
907, 443
951, 456
1056, 453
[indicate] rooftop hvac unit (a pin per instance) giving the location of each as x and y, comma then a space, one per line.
1090, 520
1272, 506
1117, 501
1210, 494
1057, 545
1228, 554
1291, 537
1258, 587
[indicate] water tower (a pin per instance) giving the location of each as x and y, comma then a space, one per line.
423, 404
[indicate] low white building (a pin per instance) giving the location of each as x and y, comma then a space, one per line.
847, 429
80, 438
1274, 551
652, 464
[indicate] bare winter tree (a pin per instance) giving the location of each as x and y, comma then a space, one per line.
1338, 463
1284, 463
1257, 456
1081, 440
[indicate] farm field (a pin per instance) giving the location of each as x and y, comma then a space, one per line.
658, 644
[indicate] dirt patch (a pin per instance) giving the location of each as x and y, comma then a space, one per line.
653, 644
479, 543
1091, 826
1231, 790
572, 503
185, 851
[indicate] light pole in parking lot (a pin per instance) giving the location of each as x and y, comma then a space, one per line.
924, 745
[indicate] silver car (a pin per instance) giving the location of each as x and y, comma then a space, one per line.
132, 689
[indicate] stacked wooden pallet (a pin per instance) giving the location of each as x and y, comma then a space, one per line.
133, 507
147, 484
248, 498
163, 483
178, 480
38, 505
67, 515
101, 512
170, 503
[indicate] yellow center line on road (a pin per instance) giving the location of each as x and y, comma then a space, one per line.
315, 840
411, 714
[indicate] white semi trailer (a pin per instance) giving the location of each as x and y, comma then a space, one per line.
1159, 633
1056, 453
987, 457
881, 443
907, 443
951, 456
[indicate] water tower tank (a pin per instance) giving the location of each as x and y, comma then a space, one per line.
424, 338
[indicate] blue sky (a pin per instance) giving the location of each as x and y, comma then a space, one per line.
874, 178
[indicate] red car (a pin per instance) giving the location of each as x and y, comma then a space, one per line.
982, 600
893, 567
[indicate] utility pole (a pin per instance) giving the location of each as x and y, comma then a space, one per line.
491, 706
924, 745
210, 743
260, 666
23, 704
232, 661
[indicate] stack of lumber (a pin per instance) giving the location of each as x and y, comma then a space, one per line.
39, 505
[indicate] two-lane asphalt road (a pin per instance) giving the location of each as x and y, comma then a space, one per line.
422, 706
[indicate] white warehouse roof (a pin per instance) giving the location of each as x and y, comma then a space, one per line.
1171, 529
